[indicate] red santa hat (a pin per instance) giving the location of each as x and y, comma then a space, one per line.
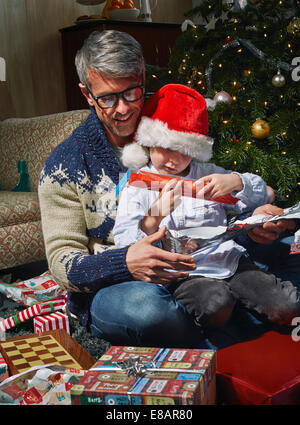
175, 117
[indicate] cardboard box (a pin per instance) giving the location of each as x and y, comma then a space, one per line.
154, 376
50, 322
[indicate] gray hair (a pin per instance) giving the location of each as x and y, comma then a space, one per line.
110, 53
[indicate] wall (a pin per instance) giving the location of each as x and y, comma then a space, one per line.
30, 43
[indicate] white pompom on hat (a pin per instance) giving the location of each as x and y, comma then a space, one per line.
175, 117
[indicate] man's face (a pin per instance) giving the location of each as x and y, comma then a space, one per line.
119, 121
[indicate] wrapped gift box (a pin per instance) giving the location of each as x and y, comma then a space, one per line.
31, 291
150, 376
3, 369
50, 322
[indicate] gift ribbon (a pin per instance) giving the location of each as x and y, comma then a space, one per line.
134, 366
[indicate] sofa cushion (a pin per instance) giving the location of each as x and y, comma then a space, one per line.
18, 207
32, 140
21, 244
262, 371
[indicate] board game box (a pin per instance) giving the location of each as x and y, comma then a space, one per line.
54, 347
149, 376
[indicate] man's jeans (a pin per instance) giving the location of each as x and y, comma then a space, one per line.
142, 314
145, 314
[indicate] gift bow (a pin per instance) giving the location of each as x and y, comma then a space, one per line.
134, 366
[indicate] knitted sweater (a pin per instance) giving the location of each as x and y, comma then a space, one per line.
78, 209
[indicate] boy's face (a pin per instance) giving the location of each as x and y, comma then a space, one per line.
167, 161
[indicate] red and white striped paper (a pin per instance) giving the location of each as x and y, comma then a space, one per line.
50, 322
3, 369
35, 310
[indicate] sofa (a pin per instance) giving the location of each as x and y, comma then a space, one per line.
30, 140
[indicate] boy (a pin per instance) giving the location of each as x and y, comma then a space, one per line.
173, 132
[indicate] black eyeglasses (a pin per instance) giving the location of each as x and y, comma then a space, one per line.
105, 101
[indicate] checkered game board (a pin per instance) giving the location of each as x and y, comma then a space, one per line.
37, 350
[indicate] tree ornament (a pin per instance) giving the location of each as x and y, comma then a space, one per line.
260, 129
222, 96
211, 24
228, 40
278, 80
294, 27
210, 104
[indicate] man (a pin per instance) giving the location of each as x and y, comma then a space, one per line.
118, 294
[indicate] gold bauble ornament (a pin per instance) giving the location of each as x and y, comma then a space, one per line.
278, 80
260, 129
294, 27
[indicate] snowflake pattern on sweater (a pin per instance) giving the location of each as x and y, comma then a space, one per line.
78, 209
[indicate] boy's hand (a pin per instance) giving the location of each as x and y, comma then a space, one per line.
168, 199
215, 185
166, 202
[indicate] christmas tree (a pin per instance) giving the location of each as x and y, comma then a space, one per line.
243, 58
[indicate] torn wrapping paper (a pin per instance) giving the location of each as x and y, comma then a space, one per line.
156, 182
35, 310
43, 385
31, 291
50, 322
196, 239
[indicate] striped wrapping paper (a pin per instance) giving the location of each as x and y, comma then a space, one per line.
3, 369
50, 322
30, 312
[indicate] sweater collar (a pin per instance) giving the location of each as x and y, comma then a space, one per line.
102, 147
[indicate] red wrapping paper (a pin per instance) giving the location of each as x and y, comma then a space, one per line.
152, 181
262, 371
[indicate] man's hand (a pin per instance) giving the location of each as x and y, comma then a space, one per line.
270, 231
148, 263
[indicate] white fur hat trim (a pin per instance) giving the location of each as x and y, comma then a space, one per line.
157, 133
